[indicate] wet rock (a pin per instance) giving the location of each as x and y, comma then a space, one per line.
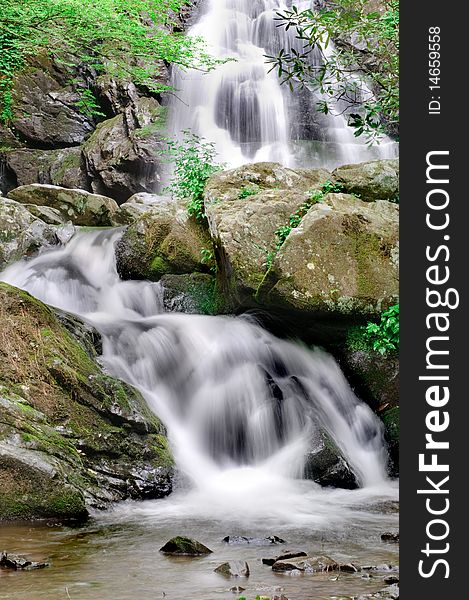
313, 564
21, 233
284, 556
349, 568
390, 537
391, 580
47, 214
376, 376
195, 293
71, 437
184, 546
16, 562
163, 240
237, 589
241, 539
342, 259
78, 206
233, 569
375, 180
326, 466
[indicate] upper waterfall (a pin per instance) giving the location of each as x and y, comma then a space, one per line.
242, 107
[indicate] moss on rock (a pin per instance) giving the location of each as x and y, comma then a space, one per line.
88, 437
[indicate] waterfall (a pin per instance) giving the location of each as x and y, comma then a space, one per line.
239, 404
244, 110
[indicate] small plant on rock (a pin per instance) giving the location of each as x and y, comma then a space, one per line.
384, 336
194, 162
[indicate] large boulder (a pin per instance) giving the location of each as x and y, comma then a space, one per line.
375, 180
342, 259
46, 105
244, 208
22, 233
120, 156
71, 437
63, 167
78, 206
163, 240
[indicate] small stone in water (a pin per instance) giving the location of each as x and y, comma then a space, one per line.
242, 539
16, 562
392, 579
233, 569
237, 588
285, 556
390, 537
184, 546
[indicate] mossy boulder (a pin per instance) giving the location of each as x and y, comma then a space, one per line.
184, 546
342, 259
163, 240
71, 437
244, 208
22, 233
375, 180
78, 206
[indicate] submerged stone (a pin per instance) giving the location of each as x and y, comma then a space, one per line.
241, 539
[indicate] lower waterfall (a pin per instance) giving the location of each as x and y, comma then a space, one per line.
242, 408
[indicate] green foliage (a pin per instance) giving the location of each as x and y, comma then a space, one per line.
248, 190
384, 336
359, 78
194, 162
208, 258
88, 105
128, 38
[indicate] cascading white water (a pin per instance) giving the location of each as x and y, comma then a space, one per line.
242, 407
244, 110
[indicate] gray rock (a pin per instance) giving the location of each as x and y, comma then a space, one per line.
21, 233
313, 564
233, 569
63, 167
45, 105
121, 156
78, 206
375, 180
163, 240
340, 260
284, 556
243, 228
